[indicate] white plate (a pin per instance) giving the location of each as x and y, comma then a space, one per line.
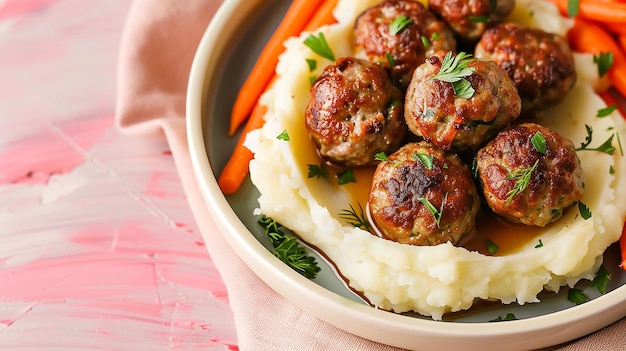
226, 54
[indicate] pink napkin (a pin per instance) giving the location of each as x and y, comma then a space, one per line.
156, 52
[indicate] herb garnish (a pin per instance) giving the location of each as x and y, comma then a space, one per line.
606, 147
577, 296
437, 213
539, 142
539, 245
315, 171
288, 250
453, 70
283, 136
572, 7
479, 19
603, 276
585, 212
492, 247
604, 61
398, 24
354, 218
425, 159
606, 111
434, 37
319, 45
475, 168
508, 317
381, 156
390, 59
523, 179
312, 64
425, 41
345, 177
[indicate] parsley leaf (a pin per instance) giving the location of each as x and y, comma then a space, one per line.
316, 171
381, 156
453, 70
346, 177
437, 213
604, 61
319, 45
577, 296
398, 24
492, 247
572, 7
312, 64
539, 245
539, 142
508, 317
283, 136
606, 111
585, 212
603, 276
425, 159
425, 41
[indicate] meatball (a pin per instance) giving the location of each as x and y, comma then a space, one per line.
383, 37
470, 18
529, 174
541, 64
435, 109
421, 195
355, 112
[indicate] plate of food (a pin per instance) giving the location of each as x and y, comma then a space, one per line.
416, 177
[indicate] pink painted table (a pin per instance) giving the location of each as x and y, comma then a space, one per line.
99, 249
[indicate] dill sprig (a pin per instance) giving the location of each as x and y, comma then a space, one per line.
354, 218
288, 250
606, 147
522, 176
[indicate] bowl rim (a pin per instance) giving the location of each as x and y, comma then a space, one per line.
359, 319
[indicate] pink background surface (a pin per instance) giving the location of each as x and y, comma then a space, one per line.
99, 248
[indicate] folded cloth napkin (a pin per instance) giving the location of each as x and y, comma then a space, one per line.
157, 48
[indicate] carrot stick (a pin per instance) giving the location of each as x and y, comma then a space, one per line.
323, 16
237, 166
600, 11
622, 247
586, 36
614, 27
298, 14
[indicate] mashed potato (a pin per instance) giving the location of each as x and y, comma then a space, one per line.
439, 279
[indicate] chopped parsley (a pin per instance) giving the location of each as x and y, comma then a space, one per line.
319, 45
601, 280
585, 212
398, 24
312, 64
454, 70
606, 111
381, 156
539, 245
288, 250
391, 60
539, 143
283, 136
425, 41
492, 247
604, 61
508, 317
425, 159
572, 7
437, 213
577, 296
345, 177
315, 171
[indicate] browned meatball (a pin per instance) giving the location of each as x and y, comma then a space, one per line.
470, 18
423, 196
437, 112
526, 182
541, 64
355, 112
401, 52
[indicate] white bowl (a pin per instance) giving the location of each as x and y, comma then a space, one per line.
225, 55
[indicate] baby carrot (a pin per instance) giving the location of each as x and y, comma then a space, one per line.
297, 16
238, 165
589, 37
323, 16
604, 11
